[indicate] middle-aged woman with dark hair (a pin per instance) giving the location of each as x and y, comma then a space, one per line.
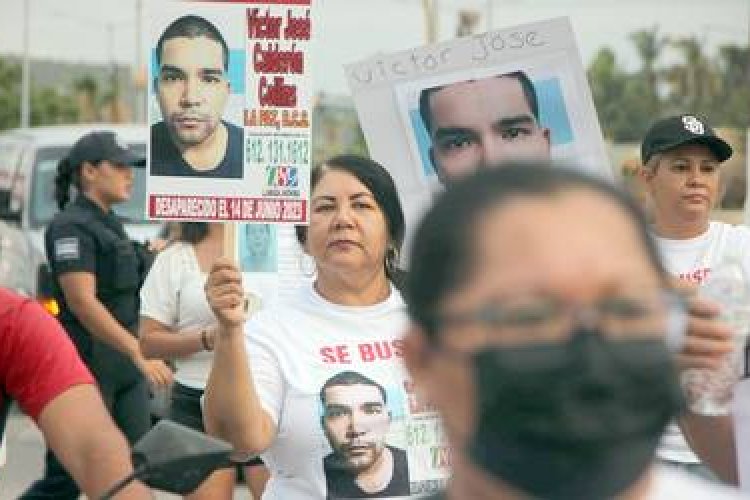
316, 384
549, 363
96, 273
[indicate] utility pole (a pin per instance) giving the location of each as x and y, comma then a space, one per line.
140, 111
490, 15
430, 8
747, 150
26, 69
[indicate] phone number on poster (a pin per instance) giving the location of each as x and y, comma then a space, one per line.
278, 151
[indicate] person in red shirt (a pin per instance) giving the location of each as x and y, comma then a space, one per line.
41, 370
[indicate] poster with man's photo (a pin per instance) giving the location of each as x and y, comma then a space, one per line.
382, 443
273, 263
432, 114
229, 110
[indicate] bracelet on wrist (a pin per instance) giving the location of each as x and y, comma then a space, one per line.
204, 341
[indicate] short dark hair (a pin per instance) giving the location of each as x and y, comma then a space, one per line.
380, 183
192, 232
440, 260
528, 91
192, 26
350, 378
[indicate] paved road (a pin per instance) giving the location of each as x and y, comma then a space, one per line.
25, 460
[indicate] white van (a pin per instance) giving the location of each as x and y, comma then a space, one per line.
28, 165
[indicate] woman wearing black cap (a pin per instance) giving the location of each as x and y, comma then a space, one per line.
97, 272
682, 157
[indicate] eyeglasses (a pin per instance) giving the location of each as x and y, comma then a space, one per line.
653, 313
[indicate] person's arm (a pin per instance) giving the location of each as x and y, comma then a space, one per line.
77, 427
708, 340
712, 439
233, 409
161, 312
160, 341
41, 370
79, 289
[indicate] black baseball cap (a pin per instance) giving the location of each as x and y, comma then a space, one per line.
674, 131
104, 145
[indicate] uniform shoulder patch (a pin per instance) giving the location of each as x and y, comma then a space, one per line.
67, 249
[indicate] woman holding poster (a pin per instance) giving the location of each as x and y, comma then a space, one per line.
177, 323
316, 385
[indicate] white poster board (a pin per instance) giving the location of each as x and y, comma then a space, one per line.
272, 262
229, 113
387, 90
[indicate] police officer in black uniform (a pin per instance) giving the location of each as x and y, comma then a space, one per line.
97, 273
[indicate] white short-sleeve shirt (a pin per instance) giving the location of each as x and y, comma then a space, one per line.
294, 350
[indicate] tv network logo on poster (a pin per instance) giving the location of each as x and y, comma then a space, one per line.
282, 181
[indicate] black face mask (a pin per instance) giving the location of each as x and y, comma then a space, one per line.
577, 420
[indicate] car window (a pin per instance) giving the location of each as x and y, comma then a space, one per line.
15, 270
11, 177
43, 205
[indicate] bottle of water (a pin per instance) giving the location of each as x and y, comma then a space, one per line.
709, 392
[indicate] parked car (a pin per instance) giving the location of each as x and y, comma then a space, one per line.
28, 165
15, 270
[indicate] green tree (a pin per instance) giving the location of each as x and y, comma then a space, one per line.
649, 44
10, 98
695, 83
734, 66
717, 87
87, 93
618, 97
48, 107
606, 83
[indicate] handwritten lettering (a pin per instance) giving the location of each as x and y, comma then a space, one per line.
490, 43
419, 63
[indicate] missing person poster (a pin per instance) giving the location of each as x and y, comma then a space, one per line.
396, 436
434, 113
272, 262
229, 110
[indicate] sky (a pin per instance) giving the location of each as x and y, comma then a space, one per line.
346, 31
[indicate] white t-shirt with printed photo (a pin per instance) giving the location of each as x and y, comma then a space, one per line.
692, 260
293, 351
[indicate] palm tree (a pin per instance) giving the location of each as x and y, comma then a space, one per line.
695, 84
649, 44
87, 94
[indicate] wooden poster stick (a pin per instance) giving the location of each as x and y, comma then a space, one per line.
229, 248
